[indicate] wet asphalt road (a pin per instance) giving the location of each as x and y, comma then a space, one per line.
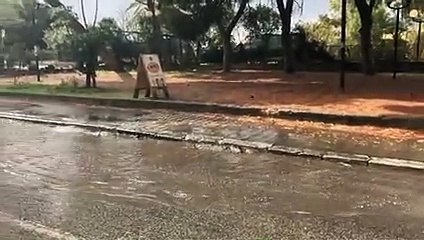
66, 183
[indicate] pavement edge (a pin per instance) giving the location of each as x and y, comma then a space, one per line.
356, 159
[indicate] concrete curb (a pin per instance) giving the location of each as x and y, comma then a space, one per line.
241, 145
405, 122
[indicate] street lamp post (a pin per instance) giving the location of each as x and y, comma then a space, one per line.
418, 18
2, 47
397, 5
37, 62
37, 59
343, 46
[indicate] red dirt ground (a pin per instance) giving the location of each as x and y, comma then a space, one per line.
318, 92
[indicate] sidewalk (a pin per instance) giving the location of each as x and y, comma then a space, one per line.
380, 142
310, 92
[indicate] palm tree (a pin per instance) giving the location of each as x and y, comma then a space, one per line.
143, 10
83, 13
140, 8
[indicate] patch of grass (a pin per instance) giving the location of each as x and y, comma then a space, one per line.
63, 88
26, 87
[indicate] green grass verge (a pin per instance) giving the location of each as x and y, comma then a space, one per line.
64, 89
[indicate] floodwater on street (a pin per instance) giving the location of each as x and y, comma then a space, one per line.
216, 125
67, 183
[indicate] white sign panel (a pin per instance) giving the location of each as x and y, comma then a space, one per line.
154, 70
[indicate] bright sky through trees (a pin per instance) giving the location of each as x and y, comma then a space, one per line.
114, 8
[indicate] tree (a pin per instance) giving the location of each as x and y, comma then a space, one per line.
146, 12
176, 21
325, 30
261, 22
285, 8
85, 41
106, 54
371, 20
86, 48
365, 9
225, 30
381, 24
200, 17
36, 19
59, 38
114, 37
24, 22
224, 14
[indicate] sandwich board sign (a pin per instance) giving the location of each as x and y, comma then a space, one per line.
152, 70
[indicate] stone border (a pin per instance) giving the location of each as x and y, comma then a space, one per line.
404, 122
242, 145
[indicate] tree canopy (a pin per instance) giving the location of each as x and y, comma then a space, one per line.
183, 30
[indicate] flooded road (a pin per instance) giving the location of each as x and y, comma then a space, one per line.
218, 126
67, 183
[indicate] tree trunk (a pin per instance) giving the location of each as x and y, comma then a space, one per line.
365, 10
157, 33
158, 42
285, 8
88, 79
198, 52
288, 48
180, 43
226, 61
226, 32
366, 50
93, 79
